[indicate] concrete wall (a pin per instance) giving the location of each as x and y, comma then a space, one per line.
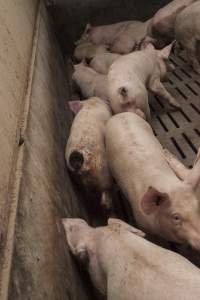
17, 19
71, 16
35, 261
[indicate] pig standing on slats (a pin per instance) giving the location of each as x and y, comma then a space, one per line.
187, 33
122, 38
162, 204
87, 51
161, 28
125, 266
85, 151
91, 83
131, 75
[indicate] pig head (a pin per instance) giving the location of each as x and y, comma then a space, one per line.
86, 243
81, 239
177, 208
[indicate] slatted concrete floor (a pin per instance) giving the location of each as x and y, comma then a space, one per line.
179, 131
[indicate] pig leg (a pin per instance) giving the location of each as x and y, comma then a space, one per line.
170, 67
106, 200
107, 204
156, 86
179, 169
191, 48
140, 114
197, 158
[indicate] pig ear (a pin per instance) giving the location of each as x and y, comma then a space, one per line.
149, 46
193, 177
165, 52
88, 28
83, 62
125, 226
78, 249
75, 106
154, 200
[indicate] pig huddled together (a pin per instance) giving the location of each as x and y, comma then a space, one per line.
111, 140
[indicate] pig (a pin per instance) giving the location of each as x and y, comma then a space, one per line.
125, 266
162, 204
130, 39
160, 30
90, 82
122, 38
187, 33
102, 62
85, 150
87, 51
131, 75
105, 34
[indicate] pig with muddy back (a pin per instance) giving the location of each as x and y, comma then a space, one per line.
85, 151
124, 266
132, 75
162, 203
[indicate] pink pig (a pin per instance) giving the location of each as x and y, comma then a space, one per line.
161, 28
131, 75
124, 266
85, 151
163, 203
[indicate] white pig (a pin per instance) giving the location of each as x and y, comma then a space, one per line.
85, 151
122, 38
162, 204
87, 51
124, 266
102, 62
161, 28
131, 75
187, 33
90, 82
105, 34
130, 39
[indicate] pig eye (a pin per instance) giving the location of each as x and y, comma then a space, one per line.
176, 219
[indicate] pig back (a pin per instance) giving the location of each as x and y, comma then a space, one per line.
135, 158
144, 262
163, 21
188, 22
86, 141
132, 67
107, 34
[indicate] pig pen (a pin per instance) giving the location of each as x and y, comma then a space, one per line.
36, 189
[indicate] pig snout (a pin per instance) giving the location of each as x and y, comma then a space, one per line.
76, 160
195, 244
194, 239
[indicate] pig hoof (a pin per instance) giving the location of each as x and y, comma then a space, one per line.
175, 104
76, 160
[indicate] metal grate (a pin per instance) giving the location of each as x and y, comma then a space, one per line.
179, 131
